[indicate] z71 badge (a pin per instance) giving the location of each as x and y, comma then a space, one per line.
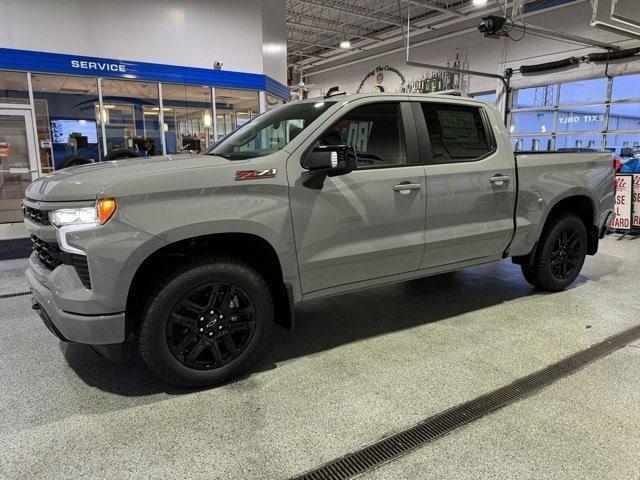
255, 174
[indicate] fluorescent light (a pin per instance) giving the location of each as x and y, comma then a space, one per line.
479, 3
346, 43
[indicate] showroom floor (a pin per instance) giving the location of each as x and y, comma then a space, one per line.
357, 368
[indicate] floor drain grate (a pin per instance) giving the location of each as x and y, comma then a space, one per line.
385, 450
18, 294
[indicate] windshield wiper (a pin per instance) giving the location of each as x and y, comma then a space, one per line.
228, 156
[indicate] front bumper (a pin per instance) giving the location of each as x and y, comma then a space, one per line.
72, 327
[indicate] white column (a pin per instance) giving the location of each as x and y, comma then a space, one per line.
161, 120
102, 116
214, 114
262, 101
35, 128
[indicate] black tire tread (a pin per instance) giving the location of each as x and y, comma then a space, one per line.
538, 273
162, 290
529, 273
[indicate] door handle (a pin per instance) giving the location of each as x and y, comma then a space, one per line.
499, 179
405, 188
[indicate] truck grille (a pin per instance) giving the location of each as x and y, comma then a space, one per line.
51, 257
82, 267
37, 216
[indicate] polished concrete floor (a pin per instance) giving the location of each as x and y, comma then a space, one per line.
357, 368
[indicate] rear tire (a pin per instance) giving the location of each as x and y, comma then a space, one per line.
529, 273
560, 255
206, 322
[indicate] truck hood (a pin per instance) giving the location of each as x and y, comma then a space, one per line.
84, 182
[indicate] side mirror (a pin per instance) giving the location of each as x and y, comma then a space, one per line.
626, 152
331, 160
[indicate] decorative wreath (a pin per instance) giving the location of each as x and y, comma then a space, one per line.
386, 68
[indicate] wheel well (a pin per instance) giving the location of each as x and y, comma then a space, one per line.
582, 206
579, 205
252, 249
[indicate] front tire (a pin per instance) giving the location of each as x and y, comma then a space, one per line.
206, 323
560, 255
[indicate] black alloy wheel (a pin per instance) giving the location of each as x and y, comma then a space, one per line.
205, 321
566, 254
560, 253
211, 325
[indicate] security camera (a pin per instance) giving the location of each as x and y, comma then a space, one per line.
217, 65
493, 26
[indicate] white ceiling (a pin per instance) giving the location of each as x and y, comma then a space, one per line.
315, 28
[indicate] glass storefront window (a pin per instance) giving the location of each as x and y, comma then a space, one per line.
15, 162
273, 102
625, 86
532, 122
66, 118
14, 87
532, 144
73, 124
188, 122
583, 91
544, 96
131, 116
43, 126
581, 119
234, 108
570, 142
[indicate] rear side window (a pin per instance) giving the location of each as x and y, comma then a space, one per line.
456, 132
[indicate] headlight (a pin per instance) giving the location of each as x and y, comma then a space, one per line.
97, 215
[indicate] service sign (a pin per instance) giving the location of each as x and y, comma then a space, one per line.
635, 204
622, 203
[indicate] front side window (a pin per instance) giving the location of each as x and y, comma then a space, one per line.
270, 132
456, 132
375, 130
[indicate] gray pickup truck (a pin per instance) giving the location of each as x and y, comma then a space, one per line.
195, 257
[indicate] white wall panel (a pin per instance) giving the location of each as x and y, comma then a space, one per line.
274, 39
178, 32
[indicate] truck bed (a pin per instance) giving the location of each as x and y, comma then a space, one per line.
545, 178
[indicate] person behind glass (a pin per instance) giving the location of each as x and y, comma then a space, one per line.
146, 147
149, 147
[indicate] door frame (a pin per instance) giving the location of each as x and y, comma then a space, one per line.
26, 112
295, 168
17, 229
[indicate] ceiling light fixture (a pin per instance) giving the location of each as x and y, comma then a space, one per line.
345, 44
479, 3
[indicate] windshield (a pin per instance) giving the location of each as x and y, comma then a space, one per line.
269, 132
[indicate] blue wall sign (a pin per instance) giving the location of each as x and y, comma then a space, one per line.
99, 66
44, 62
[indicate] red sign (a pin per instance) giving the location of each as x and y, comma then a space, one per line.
5, 149
635, 201
622, 203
